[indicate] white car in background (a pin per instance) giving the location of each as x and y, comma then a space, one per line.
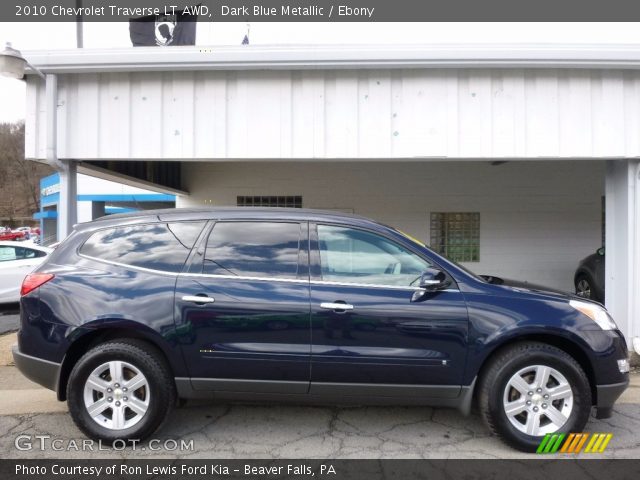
17, 259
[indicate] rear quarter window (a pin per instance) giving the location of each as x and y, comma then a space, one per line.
157, 246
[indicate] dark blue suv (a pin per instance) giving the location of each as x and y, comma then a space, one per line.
133, 312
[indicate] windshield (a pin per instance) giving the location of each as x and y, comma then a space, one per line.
423, 245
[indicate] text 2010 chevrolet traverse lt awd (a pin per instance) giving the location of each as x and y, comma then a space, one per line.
132, 312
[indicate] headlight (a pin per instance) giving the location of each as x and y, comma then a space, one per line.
596, 313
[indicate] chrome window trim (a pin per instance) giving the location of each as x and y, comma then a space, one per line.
127, 265
305, 281
366, 285
261, 279
244, 277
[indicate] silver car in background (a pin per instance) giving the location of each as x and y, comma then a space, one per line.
17, 259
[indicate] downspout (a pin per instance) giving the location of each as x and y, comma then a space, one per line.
51, 91
67, 205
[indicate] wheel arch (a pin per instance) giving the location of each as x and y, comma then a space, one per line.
94, 337
582, 272
567, 345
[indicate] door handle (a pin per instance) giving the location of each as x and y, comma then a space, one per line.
197, 299
336, 306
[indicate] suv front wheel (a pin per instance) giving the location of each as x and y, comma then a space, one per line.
120, 390
532, 389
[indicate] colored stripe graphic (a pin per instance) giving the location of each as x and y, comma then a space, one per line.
598, 442
606, 442
569, 441
574, 443
581, 443
550, 443
594, 437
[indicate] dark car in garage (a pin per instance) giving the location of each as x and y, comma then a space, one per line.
589, 277
133, 312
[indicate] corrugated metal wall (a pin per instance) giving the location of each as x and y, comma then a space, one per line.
342, 114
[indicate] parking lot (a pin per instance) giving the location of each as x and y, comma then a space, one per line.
9, 318
278, 431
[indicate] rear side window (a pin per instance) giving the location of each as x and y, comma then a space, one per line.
158, 246
253, 249
8, 253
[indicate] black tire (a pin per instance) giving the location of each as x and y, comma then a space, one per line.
504, 365
162, 393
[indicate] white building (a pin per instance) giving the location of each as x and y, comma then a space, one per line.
508, 157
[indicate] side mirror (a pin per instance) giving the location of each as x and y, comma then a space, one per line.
432, 280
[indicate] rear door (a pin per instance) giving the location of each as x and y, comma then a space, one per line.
245, 303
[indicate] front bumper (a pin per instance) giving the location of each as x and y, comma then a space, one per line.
607, 396
43, 372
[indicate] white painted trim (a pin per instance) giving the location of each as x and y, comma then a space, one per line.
257, 57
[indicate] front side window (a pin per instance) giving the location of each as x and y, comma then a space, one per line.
356, 256
253, 249
157, 246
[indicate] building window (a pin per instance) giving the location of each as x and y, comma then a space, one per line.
456, 235
293, 201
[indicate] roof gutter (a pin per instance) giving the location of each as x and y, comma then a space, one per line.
188, 58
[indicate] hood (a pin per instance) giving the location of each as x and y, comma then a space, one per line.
526, 286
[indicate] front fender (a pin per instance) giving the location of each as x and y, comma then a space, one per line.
498, 321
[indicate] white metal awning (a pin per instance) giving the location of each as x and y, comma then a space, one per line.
187, 58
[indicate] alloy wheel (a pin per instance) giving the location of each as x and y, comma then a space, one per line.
583, 289
116, 395
538, 400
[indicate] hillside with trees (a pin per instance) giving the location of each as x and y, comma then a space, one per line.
19, 178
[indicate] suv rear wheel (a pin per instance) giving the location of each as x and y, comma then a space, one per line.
120, 390
532, 389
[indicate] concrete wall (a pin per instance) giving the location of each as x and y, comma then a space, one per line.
537, 219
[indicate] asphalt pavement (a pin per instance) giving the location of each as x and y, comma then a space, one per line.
9, 317
30, 416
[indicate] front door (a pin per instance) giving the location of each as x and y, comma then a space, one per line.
245, 305
370, 335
